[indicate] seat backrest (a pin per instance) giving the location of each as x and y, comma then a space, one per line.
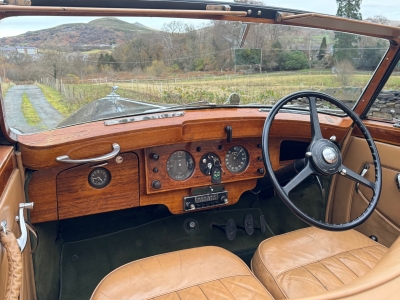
381, 282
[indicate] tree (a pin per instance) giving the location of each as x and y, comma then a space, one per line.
345, 47
349, 9
295, 60
56, 62
322, 49
379, 19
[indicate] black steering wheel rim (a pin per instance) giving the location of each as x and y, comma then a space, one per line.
317, 165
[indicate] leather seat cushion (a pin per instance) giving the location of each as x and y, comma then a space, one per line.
198, 273
310, 261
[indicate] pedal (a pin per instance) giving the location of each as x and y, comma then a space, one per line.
248, 224
229, 228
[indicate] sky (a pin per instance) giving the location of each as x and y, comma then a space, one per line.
388, 8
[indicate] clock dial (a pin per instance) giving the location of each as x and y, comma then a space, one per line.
99, 178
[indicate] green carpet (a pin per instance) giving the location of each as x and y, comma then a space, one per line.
84, 263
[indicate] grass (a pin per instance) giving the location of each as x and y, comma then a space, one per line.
29, 111
5, 87
55, 99
257, 88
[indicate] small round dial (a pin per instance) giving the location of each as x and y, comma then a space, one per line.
237, 159
180, 165
208, 161
99, 178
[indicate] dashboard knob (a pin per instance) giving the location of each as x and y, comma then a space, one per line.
155, 156
156, 184
224, 199
261, 171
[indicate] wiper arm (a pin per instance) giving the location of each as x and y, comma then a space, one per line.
200, 103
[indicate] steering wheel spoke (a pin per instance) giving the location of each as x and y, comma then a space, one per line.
346, 172
325, 159
299, 178
315, 127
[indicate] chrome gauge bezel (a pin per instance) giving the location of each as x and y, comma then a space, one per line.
244, 166
99, 182
190, 162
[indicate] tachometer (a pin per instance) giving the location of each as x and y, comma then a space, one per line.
180, 165
237, 159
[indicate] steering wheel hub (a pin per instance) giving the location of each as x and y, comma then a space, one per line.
330, 155
326, 157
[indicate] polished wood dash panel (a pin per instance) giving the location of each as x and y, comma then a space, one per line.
76, 197
40, 150
197, 150
174, 199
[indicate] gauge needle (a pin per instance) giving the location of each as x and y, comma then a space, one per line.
101, 180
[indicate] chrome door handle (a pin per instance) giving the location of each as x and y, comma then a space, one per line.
114, 153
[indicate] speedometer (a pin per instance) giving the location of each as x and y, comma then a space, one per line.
180, 165
237, 159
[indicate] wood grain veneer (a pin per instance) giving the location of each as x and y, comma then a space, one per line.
380, 131
198, 178
76, 197
7, 165
42, 190
40, 150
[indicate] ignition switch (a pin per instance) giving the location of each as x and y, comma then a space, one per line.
210, 165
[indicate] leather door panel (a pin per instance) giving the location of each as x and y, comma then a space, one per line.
12, 194
348, 204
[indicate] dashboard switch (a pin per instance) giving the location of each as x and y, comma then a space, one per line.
228, 130
156, 184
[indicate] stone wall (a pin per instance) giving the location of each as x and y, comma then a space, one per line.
386, 106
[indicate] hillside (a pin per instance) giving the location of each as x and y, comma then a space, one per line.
99, 32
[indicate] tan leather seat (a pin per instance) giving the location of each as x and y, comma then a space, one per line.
199, 273
311, 261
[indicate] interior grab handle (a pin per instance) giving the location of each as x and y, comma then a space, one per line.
24, 234
112, 154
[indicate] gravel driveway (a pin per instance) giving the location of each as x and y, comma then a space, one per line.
14, 116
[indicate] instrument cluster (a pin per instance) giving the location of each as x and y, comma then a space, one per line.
181, 164
203, 163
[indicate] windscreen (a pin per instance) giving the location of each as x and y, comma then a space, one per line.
63, 71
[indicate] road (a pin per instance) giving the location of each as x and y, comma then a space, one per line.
14, 116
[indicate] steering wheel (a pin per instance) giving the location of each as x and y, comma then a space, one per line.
323, 157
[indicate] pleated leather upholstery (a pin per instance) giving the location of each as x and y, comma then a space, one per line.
311, 261
201, 273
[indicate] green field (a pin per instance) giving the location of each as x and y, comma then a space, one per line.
256, 88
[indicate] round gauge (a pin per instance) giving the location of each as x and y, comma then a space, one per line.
208, 161
180, 165
99, 178
237, 159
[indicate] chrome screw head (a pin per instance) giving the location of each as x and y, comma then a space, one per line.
343, 172
119, 159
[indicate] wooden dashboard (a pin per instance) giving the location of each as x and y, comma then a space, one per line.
62, 190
